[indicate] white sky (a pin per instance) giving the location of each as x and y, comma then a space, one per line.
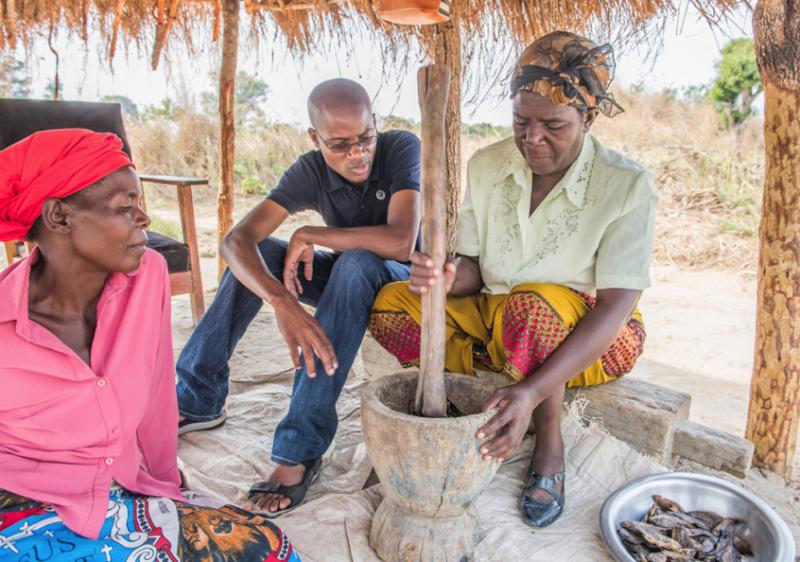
690, 49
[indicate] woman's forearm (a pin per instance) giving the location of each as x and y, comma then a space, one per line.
468, 279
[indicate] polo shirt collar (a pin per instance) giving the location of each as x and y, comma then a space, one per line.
335, 181
575, 182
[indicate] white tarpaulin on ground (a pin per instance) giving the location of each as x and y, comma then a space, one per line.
333, 524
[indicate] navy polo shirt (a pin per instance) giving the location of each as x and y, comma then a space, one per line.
309, 184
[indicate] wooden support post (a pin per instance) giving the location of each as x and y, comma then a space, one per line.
11, 251
227, 136
774, 412
186, 207
433, 82
446, 50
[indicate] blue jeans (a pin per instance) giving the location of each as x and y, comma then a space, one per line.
342, 289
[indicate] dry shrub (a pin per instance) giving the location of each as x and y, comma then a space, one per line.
709, 179
186, 143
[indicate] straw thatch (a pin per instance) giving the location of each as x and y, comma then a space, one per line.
306, 24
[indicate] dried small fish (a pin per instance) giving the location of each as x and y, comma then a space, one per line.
701, 534
668, 533
655, 510
708, 517
707, 546
725, 551
690, 521
680, 556
666, 521
742, 546
638, 551
667, 504
629, 538
651, 535
726, 525
681, 535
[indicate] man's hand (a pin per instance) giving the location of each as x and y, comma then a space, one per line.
516, 404
299, 251
300, 330
423, 275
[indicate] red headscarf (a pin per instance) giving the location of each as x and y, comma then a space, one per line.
54, 163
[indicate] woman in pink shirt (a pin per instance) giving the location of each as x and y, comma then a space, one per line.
88, 470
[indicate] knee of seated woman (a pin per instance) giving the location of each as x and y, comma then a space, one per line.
392, 297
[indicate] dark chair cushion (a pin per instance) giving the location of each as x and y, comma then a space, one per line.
176, 253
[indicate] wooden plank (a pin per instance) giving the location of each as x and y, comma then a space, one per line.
174, 180
712, 448
433, 83
180, 283
186, 207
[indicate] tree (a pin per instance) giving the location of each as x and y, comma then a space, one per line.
129, 107
249, 96
738, 81
14, 83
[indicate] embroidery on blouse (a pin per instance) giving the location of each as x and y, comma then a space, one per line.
565, 224
505, 217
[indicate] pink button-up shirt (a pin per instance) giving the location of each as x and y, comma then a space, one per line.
67, 428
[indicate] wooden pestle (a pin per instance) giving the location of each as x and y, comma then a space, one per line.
433, 84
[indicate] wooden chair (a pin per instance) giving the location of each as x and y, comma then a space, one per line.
20, 118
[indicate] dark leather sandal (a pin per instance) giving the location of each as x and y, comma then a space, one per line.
296, 493
537, 513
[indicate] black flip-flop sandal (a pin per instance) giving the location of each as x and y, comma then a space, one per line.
295, 493
537, 513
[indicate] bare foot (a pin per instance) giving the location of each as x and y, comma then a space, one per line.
284, 475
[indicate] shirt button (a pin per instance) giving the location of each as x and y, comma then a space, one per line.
109, 461
101, 383
115, 431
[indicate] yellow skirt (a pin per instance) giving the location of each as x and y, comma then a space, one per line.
512, 334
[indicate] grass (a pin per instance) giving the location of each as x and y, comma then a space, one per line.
710, 179
165, 227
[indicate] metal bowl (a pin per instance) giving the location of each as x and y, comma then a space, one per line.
766, 532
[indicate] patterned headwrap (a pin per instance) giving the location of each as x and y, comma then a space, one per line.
55, 163
569, 70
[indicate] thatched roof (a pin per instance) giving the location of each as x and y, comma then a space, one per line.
306, 24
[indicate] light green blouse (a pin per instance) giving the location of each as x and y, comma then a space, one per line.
594, 230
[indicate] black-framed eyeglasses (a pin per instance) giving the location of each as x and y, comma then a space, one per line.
343, 147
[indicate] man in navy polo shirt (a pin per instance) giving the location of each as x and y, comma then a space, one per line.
365, 185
